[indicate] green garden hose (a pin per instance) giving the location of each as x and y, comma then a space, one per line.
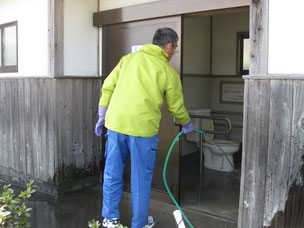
164, 174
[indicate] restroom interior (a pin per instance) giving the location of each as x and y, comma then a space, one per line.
212, 80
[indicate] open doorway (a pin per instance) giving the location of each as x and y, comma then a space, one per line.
213, 86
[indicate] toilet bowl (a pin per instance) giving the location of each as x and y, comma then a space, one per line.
213, 156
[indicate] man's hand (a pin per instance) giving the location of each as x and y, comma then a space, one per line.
188, 127
101, 120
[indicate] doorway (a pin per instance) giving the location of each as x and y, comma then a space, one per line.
207, 63
212, 82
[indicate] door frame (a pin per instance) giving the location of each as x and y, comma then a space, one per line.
141, 14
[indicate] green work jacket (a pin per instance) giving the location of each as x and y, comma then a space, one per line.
134, 93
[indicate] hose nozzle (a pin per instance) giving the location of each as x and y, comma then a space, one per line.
179, 219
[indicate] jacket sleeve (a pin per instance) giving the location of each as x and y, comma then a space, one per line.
109, 85
175, 99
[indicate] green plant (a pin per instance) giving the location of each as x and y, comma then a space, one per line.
95, 224
122, 226
14, 212
3, 214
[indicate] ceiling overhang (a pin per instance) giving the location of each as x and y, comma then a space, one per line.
164, 8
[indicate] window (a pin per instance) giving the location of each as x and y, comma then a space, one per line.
243, 46
8, 47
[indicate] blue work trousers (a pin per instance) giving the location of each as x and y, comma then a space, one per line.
143, 152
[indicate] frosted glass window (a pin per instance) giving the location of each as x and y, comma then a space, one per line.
9, 46
246, 49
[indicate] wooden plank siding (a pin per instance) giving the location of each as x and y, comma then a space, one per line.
56, 37
277, 173
288, 200
273, 162
256, 130
47, 129
272, 185
259, 17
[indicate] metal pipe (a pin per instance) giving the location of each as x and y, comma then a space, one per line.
215, 118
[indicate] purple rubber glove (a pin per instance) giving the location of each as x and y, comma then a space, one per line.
188, 127
99, 125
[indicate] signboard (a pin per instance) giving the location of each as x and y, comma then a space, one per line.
231, 92
136, 48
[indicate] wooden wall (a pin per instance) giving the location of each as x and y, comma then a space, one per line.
273, 159
272, 184
47, 128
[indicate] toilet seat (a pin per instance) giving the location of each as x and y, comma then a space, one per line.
223, 142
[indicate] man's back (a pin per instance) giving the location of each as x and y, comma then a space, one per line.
141, 80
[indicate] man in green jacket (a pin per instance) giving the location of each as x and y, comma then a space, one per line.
132, 96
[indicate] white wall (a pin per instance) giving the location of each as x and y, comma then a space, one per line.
204, 92
80, 38
196, 60
286, 35
196, 45
197, 92
32, 17
110, 4
225, 28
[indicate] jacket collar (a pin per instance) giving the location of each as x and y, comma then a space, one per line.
155, 50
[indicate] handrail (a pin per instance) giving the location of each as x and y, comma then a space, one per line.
227, 113
215, 118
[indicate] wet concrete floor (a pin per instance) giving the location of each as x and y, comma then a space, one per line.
212, 192
75, 209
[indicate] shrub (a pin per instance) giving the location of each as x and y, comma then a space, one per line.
96, 224
14, 212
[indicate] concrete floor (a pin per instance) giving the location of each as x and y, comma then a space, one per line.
77, 208
209, 200
211, 192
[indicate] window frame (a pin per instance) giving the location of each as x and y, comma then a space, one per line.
239, 66
11, 68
